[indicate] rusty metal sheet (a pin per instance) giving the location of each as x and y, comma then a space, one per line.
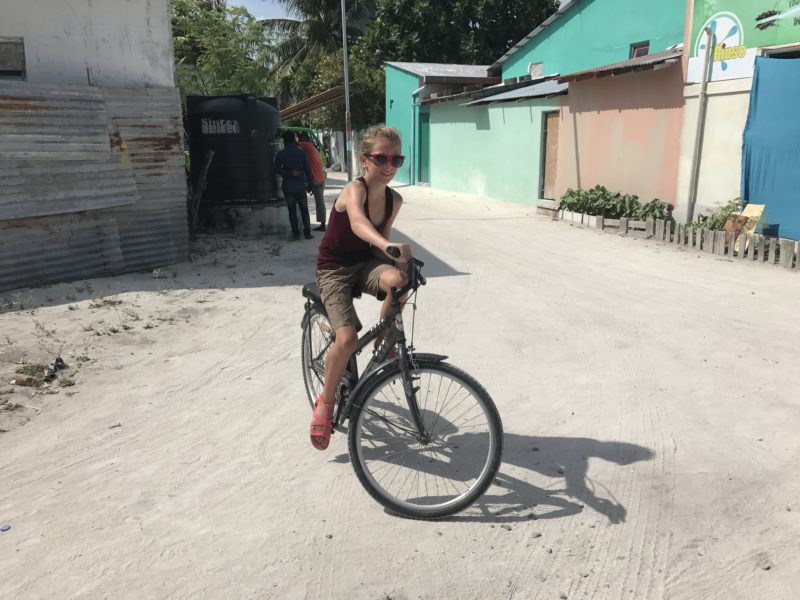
648, 61
52, 122
114, 155
39, 188
63, 248
149, 124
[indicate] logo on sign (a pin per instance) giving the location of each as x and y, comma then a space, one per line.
728, 39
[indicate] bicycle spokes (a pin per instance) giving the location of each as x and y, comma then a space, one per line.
437, 468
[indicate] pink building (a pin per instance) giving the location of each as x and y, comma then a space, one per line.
620, 127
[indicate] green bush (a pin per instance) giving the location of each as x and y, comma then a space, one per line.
718, 217
613, 205
655, 209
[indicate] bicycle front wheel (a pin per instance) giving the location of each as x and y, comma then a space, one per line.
441, 472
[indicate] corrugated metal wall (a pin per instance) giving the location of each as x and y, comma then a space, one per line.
91, 182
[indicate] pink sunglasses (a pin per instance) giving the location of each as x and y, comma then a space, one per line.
382, 160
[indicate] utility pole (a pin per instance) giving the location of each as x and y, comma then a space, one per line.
348, 132
711, 42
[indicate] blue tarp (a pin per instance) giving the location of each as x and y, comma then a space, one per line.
771, 153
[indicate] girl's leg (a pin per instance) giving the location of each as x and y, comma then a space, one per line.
391, 278
335, 365
336, 360
336, 289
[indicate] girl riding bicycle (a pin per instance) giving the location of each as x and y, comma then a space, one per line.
352, 255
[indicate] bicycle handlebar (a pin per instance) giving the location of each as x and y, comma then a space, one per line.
394, 252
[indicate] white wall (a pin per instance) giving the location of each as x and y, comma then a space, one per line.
721, 161
124, 43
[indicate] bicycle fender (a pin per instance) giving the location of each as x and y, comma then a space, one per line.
429, 356
385, 366
309, 306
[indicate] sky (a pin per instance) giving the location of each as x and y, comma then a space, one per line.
261, 9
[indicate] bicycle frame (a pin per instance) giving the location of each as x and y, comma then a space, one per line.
392, 323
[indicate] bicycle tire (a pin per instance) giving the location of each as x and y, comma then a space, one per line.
445, 449
311, 348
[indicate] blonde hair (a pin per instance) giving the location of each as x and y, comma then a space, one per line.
379, 131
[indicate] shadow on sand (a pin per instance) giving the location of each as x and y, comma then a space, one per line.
563, 459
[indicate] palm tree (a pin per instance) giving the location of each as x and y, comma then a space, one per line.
314, 28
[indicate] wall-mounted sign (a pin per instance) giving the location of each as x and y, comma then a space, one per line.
220, 126
740, 28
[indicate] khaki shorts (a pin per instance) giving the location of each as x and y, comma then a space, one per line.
336, 285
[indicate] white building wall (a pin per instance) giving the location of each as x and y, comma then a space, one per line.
110, 43
721, 161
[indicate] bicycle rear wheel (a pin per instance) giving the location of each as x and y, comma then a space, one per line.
433, 476
317, 340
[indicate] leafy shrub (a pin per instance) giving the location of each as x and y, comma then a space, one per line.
613, 205
718, 217
574, 200
655, 209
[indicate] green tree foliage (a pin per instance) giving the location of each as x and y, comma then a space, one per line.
308, 60
325, 71
219, 49
496, 25
313, 31
458, 32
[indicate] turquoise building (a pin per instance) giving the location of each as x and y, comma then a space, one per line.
406, 85
584, 34
488, 134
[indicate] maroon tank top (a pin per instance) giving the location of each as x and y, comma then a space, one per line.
340, 247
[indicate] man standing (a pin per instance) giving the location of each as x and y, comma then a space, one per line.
291, 164
317, 177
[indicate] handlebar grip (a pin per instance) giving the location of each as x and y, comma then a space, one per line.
393, 251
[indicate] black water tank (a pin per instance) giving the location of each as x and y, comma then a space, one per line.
242, 131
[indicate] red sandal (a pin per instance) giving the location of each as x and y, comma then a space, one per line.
321, 427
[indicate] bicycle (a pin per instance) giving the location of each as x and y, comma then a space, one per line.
409, 417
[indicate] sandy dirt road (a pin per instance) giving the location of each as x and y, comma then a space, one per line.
649, 395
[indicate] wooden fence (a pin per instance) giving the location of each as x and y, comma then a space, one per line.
751, 247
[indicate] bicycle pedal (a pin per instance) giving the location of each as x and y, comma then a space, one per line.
339, 428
